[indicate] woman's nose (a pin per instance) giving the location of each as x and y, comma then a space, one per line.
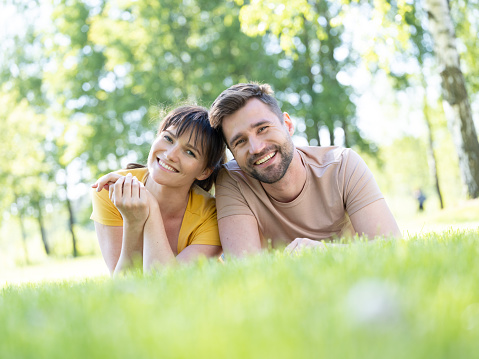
172, 153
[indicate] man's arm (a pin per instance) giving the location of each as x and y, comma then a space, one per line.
375, 219
239, 235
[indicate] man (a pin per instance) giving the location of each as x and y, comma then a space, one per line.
275, 192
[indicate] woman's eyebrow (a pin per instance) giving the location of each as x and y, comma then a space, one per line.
171, 133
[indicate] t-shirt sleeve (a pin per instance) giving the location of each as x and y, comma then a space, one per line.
207, 232
229, 199
104, 211
356, 183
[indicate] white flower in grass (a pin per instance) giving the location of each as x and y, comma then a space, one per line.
373, 302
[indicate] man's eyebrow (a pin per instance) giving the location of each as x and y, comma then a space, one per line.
253, 125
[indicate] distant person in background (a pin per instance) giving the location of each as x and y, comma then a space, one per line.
292, 196
162, 213
421, 198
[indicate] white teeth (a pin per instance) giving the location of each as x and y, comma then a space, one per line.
264, 159
164, 165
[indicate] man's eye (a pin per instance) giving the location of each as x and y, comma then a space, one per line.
262, 128
239, 142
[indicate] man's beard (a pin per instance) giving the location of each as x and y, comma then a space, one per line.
274, 174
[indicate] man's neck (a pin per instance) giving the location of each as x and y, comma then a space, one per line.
290, 186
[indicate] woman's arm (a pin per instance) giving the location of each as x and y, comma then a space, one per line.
157, 251
109, 239
127, 202
195, 251
129, 196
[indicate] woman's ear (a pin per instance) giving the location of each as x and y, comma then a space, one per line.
205, 174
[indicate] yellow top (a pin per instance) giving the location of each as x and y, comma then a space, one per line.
199, 224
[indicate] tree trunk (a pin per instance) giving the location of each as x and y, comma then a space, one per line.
431, 155
313, 133
24, 237
346, 136
22, 229
71, 226
42, 228
331, 136
455, 100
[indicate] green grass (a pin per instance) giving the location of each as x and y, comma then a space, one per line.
388, 299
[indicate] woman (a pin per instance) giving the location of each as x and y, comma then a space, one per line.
163, 213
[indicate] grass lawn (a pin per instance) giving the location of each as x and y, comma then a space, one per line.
416, 298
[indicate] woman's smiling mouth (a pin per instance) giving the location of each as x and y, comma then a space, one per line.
166, 166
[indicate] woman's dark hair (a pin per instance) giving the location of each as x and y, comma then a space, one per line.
194, 119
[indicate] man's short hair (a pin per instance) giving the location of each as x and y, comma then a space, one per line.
235, 97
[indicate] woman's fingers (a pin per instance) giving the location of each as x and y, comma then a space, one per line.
127, 186
135, 187
116, 191
106, 181
143, 194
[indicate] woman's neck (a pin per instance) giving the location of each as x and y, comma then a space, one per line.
172, 201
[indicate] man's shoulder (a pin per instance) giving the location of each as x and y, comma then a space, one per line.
231, 170
324, 156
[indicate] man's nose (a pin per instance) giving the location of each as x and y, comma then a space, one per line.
255, 145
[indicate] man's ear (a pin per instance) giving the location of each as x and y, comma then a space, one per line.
205, 174
288, 123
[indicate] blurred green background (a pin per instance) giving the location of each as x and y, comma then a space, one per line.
81, 83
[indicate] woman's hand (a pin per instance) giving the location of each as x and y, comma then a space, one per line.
106, 181
130, 196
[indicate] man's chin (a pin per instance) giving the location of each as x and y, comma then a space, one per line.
267, 176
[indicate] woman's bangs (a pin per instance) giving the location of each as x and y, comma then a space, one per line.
196, 124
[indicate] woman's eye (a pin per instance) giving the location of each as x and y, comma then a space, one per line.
190, 153
167, 138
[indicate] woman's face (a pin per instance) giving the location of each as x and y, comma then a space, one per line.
175, 161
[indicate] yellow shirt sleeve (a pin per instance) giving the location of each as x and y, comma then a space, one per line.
200, 225
207, 232
104, 211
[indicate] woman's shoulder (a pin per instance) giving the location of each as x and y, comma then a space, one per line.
201, 202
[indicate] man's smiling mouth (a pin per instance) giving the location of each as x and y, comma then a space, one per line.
265, 158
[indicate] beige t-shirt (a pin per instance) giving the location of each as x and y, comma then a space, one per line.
338, 183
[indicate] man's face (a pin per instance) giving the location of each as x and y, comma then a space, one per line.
260, 142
